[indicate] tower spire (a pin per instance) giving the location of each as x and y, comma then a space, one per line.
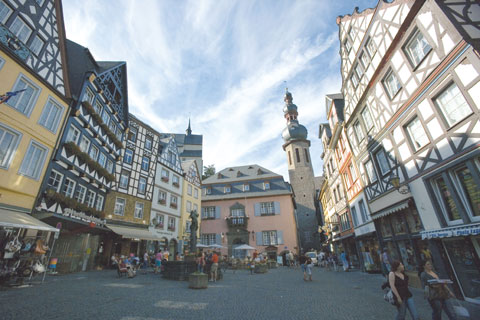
189, 129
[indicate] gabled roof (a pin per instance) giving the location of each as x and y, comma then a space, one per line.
338, 102
248, 172
80, 62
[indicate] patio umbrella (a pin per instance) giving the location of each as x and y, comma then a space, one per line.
245, 247
199, 245
216, 246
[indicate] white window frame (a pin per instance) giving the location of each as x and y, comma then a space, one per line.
416, 48
112, 126
189, 189
266, 185
267, 208
132, 133
175, 179
105, 117
370, 170
391, 84
195, 207
171, 223
4, 8
142, 190
162, 195
99, 202
124, 178
84, 144
173, 199
269, 238
358, 130
69, 187
370, 47
36, 45
189, 206
119, 209
89, 97
73, 134
57, 180
160, 220
440, 201
128, 156
417, 134
353, 211
20, 32
383, 170
208, 212
195, 193
110, 166
12, 147
48, 115
246, 187
447, 110
80, 193
90, 199
150, 145
227, 189
28, 161
462, 192
363, 210
367, 118
23, 82
102, 159
94, 152
138, 210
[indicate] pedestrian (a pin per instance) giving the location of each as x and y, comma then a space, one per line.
200, 262
343, 257
214, 267
398, 281
334, 261
436, 294
302, 260
166, 254
158, 261
309, 267
386, 262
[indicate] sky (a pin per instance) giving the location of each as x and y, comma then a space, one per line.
224, 64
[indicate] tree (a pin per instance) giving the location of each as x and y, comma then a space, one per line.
208, 171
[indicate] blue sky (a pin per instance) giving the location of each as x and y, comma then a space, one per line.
222, 63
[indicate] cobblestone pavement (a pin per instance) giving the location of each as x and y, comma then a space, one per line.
279, 294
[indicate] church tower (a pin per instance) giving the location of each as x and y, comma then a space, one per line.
300, 171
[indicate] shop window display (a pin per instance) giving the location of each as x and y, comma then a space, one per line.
399, 224
408, 256
385, 227
413, 221
466, 263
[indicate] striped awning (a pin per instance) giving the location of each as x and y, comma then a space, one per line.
389, 210
460, 231
133, 233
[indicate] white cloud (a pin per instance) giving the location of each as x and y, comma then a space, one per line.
223, 64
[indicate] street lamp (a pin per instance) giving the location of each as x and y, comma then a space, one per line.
395, 181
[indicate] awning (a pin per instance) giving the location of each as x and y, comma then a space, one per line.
16, 219
344, 237
133, 233
460, 231
389, 210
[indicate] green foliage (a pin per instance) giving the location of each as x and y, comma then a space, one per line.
104, 126
208, 171
85, 158
71, 203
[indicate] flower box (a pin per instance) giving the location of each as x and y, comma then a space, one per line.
162, 201
173, 205
165, 179
176, 184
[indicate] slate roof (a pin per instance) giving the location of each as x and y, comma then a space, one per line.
248, 172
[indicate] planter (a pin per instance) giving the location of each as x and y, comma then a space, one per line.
198, 281
261, 268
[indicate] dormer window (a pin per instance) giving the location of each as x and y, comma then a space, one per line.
239, 174
208, 190
266, 185
259, 172
219, 176
246, 187
228, 189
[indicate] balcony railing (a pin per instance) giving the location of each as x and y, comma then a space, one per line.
235, 222
12, 42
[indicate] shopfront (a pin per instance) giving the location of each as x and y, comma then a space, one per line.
399, 228
461, 246
25, 246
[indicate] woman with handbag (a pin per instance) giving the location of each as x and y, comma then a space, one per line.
399, 284
437, 294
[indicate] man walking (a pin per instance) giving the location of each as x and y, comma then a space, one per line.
343, 257
303, 260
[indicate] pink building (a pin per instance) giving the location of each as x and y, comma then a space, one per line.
248, 205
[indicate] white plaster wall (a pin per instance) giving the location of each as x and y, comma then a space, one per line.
424, 205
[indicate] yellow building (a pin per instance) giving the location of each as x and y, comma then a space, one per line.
191, 200
32, 63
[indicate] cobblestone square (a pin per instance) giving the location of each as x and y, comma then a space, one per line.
279, 294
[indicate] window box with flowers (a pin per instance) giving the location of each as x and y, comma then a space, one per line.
173, 205
176, 184
165, 179
162, 201
171, 228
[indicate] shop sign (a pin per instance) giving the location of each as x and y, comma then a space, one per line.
82, 216
463, 231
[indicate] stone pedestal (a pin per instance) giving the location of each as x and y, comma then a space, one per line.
198, 281
261, 268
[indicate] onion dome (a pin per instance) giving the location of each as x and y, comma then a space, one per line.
294, 130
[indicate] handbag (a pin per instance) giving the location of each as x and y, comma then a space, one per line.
437, 292
38, 267
390, 297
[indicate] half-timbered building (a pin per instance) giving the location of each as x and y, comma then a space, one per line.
411, 74
167, 196
34, 103
191, 201
82, 171
129, 203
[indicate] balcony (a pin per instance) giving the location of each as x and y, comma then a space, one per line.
10, 40
237, 222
